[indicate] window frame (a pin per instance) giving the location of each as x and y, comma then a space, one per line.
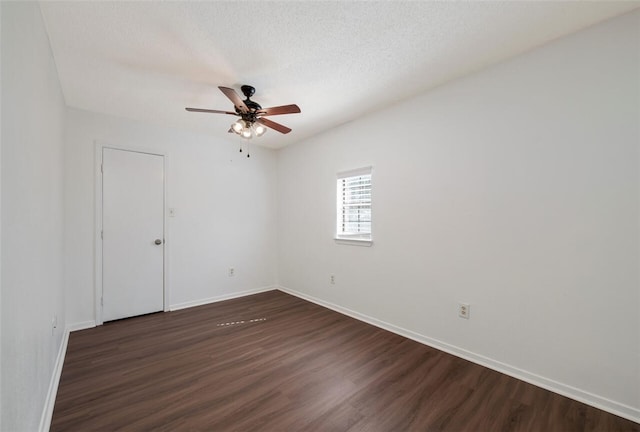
339, 237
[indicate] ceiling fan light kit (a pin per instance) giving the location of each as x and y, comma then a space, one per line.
251, 122
247, 130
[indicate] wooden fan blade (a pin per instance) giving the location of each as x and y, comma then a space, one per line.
233, 97
210, 111
273, 125
284, 109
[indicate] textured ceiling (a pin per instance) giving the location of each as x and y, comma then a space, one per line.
336, 59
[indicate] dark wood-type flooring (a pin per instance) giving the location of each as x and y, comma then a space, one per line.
296, 367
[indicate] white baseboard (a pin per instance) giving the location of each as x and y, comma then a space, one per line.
201, 302
50, 401
81, 325
583, 396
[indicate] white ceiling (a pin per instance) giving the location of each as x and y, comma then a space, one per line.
336, 59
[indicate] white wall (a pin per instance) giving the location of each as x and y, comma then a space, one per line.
225, 211
515, 190
0, 222
32, 216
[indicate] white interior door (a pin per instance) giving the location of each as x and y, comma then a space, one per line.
133, 233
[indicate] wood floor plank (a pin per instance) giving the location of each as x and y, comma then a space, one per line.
273, 362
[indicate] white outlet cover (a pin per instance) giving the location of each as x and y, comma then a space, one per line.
464, 310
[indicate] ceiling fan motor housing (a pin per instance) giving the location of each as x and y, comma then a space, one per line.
249, 91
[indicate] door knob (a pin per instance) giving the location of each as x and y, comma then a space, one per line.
158, 242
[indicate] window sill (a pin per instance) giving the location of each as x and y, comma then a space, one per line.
354, 242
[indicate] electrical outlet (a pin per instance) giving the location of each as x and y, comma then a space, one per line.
464, 309
332, 279
232, 272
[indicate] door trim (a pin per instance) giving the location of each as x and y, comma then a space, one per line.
99, 146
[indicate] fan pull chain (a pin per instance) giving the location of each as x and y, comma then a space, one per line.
245, 142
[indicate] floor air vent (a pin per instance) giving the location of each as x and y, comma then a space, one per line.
240, 322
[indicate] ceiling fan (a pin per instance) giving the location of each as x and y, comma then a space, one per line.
252, 121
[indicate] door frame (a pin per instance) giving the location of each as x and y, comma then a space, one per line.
99, 146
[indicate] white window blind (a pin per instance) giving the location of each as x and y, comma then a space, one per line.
354, 205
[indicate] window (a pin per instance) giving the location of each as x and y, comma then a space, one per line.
354, 206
